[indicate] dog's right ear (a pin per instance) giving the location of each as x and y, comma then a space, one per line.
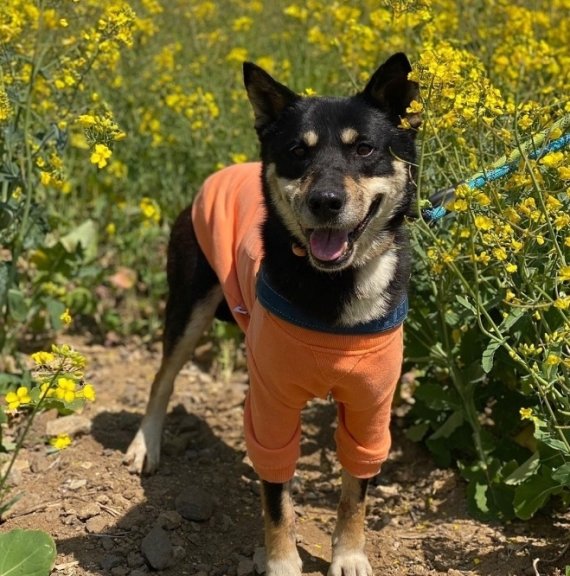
267, 96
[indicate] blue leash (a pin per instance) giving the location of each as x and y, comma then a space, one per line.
437, 210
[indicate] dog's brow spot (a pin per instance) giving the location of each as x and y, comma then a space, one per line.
310, 138
348, 136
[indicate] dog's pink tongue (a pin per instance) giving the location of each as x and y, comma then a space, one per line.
328, 245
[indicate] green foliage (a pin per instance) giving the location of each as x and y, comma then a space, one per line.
26, 553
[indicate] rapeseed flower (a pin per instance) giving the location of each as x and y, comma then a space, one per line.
19, 398
100, 155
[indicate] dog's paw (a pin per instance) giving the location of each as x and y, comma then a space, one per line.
142, 457
349, 563
288, 566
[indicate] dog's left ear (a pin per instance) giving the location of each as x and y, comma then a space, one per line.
390, 89
267, 96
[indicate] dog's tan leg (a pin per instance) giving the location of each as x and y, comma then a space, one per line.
349, 558
143, 454
282, 557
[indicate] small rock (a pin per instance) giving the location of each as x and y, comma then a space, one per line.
97, 524
388, 491
194, 504
73, 425
259, 560
39, 464
245, 566
157, 549
110, 562
169, 520
89, 511
120, 571
135, 559
76, 483
107, 544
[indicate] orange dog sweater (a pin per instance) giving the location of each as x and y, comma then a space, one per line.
289, 365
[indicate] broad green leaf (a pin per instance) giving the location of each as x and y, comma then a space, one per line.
17, 304
55, 309
524, 471
417, 432
478, 492
532, 495
542, 434
85, 235
26, 553
562, 475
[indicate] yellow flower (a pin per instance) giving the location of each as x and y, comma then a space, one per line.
553, 159
511, 268
65, 389
66, 317
552, 360
483, 223
150, 209
100, 155
42, 358
18, 398
238, 158
564, 275
237, 55
60, 441
87, 392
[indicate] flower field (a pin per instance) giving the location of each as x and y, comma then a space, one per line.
112, 113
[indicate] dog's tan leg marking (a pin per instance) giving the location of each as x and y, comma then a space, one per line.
143, 454
349, 558
282, 557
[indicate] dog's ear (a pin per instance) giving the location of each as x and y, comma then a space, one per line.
390, 89
267, 96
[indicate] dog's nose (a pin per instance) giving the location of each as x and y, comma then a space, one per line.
326, 204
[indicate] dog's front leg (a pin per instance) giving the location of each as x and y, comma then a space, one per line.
349, 558
282, 558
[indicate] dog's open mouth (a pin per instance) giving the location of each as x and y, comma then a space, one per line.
331, 247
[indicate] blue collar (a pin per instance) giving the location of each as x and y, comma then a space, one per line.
273, 302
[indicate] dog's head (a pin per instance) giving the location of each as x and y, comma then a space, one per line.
337, 170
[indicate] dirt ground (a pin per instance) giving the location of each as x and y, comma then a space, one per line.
99, 514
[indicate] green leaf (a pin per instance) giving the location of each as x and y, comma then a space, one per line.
515, 315
55, 309
543, 435
26, 553
477, 492
466, 304
417, 432
524, 471
488, 355
437, 397
449, 426
85, 235
562, 475
17, 305
533, 494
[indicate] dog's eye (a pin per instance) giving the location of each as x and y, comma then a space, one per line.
298, 151
364, 149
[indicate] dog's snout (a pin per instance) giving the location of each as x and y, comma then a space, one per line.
326, 204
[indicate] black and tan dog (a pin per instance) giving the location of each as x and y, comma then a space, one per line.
307, 250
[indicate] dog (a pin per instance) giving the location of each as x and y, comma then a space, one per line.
308, 252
